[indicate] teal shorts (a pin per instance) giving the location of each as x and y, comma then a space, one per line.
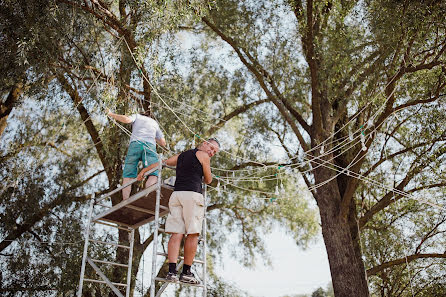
139, 151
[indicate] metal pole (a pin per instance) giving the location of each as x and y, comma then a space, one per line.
84, 256
155, 233
129, 271
204, 242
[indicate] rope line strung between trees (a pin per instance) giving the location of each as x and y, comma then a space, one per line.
362, 178
190, 128
358, 176
371, 181
312, 149
343, 170
337, 147
309, 161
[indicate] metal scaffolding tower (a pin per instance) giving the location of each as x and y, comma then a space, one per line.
145, 206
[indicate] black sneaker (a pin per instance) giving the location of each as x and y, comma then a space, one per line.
172, 277
189, 278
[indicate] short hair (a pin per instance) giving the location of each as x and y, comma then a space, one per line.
214, 139
147, 113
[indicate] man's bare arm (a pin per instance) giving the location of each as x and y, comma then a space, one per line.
206, 164
172, 161
121, 118
161, 141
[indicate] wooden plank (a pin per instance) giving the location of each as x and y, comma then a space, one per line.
148, 220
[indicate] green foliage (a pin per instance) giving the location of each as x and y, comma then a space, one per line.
47, 153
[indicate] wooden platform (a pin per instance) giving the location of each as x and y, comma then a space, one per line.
139, 209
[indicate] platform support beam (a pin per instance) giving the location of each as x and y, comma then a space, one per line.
129, 271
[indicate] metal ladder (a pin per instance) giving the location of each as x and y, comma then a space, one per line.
179, 265
130, 228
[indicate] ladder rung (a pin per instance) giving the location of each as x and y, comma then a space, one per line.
163, 207
114, 226
180, 283
182, 258
110, 243
111, 263
102, 282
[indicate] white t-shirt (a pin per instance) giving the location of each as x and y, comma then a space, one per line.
145, 129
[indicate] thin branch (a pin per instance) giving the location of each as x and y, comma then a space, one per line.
388, 198
234, 113
429, 234
261, 75
77, 100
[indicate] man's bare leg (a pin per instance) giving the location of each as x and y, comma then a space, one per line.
151, 180
127, 190
190, 248
173, 248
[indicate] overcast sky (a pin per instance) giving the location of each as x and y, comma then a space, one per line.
294, 270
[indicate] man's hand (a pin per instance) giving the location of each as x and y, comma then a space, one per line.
140, 175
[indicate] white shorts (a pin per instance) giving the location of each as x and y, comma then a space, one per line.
186, 212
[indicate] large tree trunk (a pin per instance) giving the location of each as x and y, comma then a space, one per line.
347, 269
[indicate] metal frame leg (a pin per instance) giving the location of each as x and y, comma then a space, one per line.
204, 243
155, 233
129, 271
84, 256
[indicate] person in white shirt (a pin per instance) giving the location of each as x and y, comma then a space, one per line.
145, 134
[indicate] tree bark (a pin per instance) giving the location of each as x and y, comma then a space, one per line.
346, 266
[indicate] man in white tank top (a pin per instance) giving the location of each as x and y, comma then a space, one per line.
142, 147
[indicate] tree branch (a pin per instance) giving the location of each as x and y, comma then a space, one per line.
37, 216
387, 199
234, 113
408, 259
85, 116
260, 75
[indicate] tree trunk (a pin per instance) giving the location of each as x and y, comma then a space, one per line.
6, 107
346, 267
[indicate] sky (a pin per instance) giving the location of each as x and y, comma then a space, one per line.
293, 271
